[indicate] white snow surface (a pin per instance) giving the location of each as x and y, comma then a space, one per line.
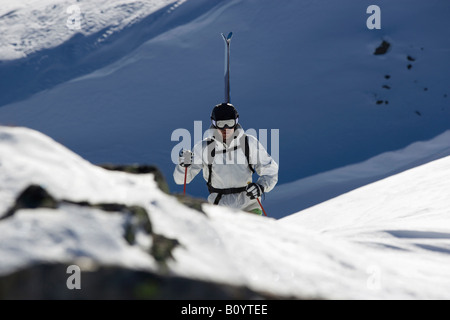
28, 26
387, 240
116, 89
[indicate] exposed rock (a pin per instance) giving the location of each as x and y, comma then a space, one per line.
193, 203
49, 282
162, 247
137, 218
141, 169
32, 197
382, 48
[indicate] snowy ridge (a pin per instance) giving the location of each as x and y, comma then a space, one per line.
402, 220
328, 251
335, 103
41, 161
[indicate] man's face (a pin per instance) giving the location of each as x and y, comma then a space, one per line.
226, 128
226, 134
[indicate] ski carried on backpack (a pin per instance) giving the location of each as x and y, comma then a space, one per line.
227, 40
220, 192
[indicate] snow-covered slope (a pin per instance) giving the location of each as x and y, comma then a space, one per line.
304, 193
403, 221
304, 67
30, 26
373, 243
30, 158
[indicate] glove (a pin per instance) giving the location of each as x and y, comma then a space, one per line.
185, 158
254, 190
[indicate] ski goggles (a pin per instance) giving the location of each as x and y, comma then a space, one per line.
222, 124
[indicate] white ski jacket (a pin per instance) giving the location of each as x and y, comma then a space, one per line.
227, 171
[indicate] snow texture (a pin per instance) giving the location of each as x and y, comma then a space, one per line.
387, 240
361, 207
305, 68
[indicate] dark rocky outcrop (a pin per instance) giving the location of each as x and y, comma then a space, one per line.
191, 202
140, 169
32, 197
382, 48
136, 218
49, 282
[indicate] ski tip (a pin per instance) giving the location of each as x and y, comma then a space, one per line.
228, 37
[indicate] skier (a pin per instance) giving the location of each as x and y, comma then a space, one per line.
228, 158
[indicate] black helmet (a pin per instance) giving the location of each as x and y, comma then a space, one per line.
224, 111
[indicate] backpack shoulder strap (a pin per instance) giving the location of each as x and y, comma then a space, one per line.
211, 160
213, 153
247, 154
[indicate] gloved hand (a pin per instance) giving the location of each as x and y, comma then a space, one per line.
254, 190
185, 158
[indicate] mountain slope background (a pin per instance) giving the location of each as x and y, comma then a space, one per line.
306, 68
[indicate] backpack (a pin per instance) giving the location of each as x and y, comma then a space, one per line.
228, 190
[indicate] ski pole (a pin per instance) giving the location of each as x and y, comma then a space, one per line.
185, 175
261, 207
259, 202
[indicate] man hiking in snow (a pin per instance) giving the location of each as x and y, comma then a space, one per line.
229, 157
